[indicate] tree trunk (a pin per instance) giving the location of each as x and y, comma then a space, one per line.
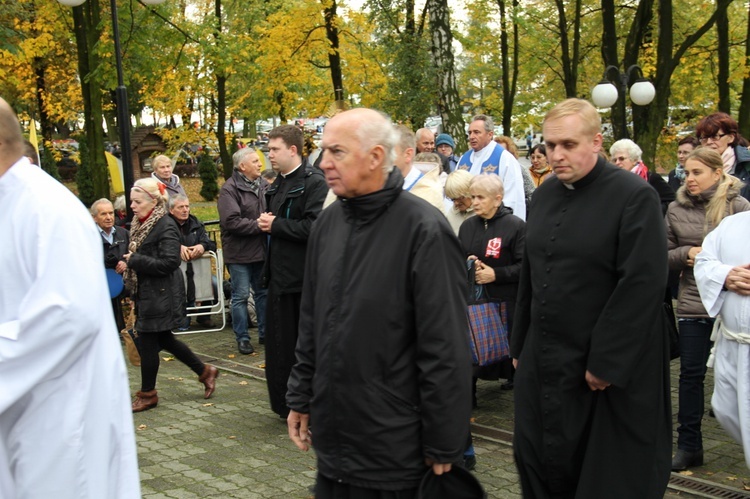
221, 111
654, 116
638, 29
449, 103
722, 32
87, 20
334, 56
569, 72
743, 117
505, 65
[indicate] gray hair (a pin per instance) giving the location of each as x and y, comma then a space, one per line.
94, 210
120, 202
489, 183
489, 125
628, 146
428, 157
241, 154
177, 198
405, 138
379, 132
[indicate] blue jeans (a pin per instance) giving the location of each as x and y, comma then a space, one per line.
695, 345
244, 276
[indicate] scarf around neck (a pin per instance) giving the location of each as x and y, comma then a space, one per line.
729, 159
138, 233
679, 173
641, 170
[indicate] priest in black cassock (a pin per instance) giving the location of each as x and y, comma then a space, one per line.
592, 399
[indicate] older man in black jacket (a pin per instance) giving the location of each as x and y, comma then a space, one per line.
383, 364
194, 242
115, 241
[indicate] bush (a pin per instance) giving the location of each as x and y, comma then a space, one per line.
84, 175
209, 176
48, 162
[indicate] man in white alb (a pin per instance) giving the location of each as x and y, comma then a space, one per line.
722, 272
66, 427
487, 156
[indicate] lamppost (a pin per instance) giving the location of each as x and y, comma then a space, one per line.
121, 94
606, 93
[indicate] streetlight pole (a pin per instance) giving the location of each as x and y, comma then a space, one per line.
123, 115
611, 90
121, 97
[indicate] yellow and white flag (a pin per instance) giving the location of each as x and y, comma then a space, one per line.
33, 139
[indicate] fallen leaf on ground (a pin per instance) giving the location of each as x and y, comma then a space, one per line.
243, 382
686, 473
142, 426
167, 359
472, 420
232, 437
746, 487
207, 404
231, 356
262, 366
732, 478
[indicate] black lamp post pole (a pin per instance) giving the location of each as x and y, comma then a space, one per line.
123, 116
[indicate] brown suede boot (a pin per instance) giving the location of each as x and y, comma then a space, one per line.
145, 401
208, 378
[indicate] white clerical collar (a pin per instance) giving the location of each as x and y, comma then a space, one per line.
289, 173
483, 154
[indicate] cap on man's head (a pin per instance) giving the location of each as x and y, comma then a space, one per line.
444, 138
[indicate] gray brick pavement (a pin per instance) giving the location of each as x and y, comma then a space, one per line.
233, 446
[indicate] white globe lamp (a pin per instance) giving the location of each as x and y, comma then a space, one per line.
604, 94
642, 92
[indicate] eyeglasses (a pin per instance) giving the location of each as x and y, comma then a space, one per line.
715, 138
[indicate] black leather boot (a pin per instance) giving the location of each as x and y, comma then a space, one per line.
684, 459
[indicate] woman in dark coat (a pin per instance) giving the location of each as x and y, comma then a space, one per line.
155, 281
720, 132
494, 240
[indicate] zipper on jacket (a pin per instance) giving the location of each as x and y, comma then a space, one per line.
291, 201
333, 343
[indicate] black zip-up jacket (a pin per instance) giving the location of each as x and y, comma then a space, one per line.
504, 256
296, 200
383, 363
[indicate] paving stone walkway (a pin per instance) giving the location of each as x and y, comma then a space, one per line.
233, 446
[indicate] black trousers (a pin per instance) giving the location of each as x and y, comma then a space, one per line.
282, 329
325, 488
152, 344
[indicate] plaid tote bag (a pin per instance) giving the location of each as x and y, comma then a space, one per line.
488, 328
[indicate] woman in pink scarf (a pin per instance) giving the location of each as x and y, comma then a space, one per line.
720, 132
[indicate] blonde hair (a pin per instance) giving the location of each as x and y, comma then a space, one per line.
458, 184
153, 189
719, 206
569, 107
161, 159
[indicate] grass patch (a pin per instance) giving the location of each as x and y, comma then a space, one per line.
205, 213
